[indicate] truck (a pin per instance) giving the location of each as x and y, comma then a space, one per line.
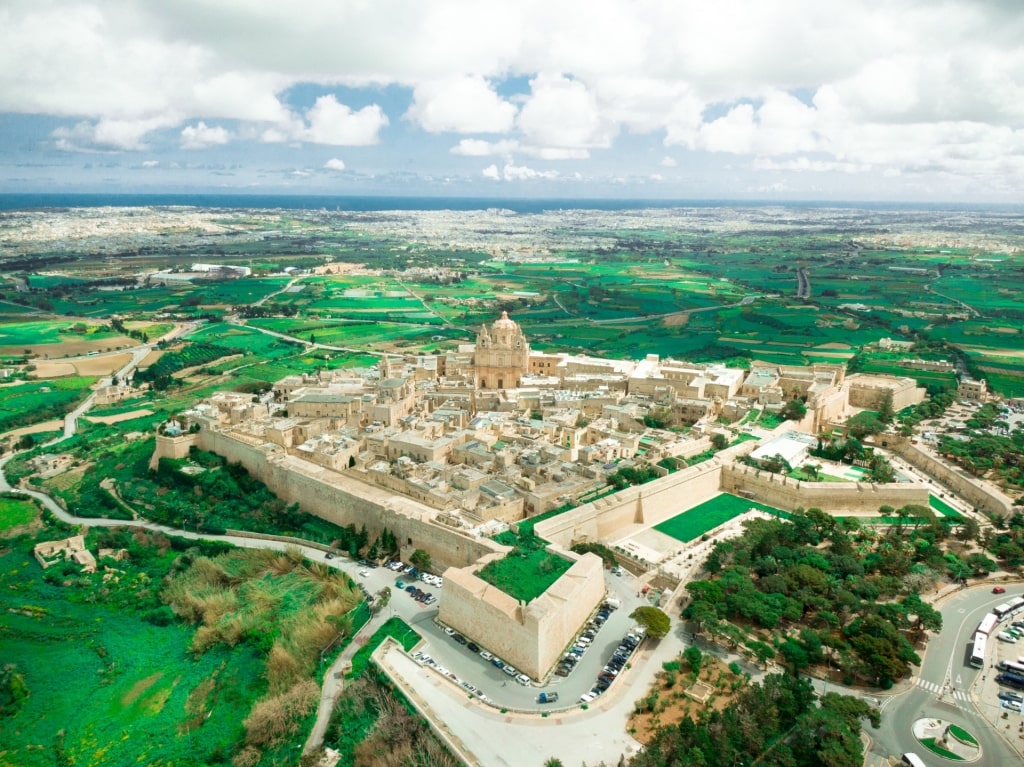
547, 697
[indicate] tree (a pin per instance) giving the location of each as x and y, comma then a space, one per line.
421, 559
776, 464
865, 424
885, 411
794, 410
880, 470
719, 441
656, 621
693, 657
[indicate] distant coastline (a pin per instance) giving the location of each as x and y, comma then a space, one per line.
369, 203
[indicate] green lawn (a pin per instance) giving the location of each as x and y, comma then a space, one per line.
393, 627
707, 516
526, 572
943, 508
15, 512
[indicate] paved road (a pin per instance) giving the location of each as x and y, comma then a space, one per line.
943, 689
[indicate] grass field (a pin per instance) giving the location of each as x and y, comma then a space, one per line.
705, 517
393, 627
527, 571
943, 508
32, 402
15, 512
108, 688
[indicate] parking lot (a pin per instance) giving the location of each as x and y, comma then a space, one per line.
479, 672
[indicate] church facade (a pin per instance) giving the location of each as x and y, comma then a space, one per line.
502, 355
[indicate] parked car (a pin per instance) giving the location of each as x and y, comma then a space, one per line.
486, 655
523, 679
587, 697
459, 638
498, 663
510, 670
472, 647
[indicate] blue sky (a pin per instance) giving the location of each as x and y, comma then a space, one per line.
686, 99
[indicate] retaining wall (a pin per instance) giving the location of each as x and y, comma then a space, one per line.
344, 500
979, 494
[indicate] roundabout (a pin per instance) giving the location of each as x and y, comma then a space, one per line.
948, 740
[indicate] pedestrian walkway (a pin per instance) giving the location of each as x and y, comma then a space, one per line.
959, 696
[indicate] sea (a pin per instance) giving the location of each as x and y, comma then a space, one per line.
36, 201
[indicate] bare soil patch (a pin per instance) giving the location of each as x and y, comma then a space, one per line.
833, 345
36, 428
677, 320
119, 417
151, 358
716, 685
70, 348
102, 366
53, 370
140, 687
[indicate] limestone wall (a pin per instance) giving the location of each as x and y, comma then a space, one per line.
648, 504
843, 497
343, 500
171, 447
529, 636
979, 494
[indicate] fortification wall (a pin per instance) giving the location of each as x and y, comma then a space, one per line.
171, 447
648, 504
844, 497
979, 494
339, 499
529, 636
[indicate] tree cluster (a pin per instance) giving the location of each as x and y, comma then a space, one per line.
819, 593
772, 724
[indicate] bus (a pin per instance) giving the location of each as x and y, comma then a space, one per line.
1009, 679
1016, 605
1002, 610
988, 623
978, 651
912, 760
1009, 665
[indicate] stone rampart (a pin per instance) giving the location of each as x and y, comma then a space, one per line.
530, 636
979, 494
610, 517
176, 446
344, 500
832, 497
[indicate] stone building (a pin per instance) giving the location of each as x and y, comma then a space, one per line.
502, 355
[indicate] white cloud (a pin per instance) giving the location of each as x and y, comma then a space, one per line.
473, 147
806, 164
899, 86
107, 135
202, 136
563, 113
150, 163
335, 164
460, 105
513, 172
331, 122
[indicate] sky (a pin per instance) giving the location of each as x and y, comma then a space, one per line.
881, 100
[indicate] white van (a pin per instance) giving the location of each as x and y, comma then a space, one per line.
912, 760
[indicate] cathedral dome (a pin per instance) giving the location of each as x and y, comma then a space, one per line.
504, 323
